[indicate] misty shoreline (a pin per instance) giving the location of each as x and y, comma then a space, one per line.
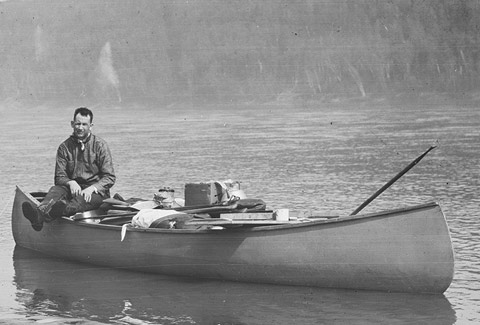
258, 52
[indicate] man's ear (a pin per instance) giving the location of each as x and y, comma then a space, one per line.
72, 124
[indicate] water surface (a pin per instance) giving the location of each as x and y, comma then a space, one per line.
327, 159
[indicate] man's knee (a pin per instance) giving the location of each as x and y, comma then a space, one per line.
57, 190
55, 193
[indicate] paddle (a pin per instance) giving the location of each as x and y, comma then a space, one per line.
95, 215
393, 180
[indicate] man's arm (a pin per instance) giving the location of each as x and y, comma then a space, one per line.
106, 172
61, 167
61, 171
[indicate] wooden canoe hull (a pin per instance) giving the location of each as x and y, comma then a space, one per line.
405, 250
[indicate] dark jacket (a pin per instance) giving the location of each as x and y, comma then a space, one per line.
92, 166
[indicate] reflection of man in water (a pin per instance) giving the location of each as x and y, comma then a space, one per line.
83, 174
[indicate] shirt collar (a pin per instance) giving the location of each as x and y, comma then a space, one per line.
82, 142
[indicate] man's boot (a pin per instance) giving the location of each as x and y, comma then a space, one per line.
37, 215
32, 213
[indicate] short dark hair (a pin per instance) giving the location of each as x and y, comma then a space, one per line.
84, 112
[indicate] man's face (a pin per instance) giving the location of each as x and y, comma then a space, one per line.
81, 126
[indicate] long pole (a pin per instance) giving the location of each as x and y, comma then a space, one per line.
393, 180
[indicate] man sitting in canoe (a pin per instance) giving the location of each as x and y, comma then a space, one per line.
83, 174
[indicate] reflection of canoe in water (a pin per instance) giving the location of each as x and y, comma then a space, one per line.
404, 250
76, 290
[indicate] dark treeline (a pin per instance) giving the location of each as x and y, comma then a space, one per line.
240, 50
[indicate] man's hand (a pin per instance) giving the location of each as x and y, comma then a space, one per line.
87, 193
75, 189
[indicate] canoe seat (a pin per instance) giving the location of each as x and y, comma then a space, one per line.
39, 196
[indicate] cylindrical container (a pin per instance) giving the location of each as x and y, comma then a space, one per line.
166, 197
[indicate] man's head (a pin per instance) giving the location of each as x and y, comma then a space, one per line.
82, 122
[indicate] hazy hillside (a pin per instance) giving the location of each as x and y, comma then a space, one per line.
240, 50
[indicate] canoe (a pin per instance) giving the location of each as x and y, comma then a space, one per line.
401, 250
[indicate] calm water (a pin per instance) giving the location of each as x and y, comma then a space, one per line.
328, 159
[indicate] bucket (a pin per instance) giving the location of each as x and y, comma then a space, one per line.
238, 193
166, 197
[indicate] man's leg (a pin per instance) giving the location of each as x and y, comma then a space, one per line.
37, 215
78, 204
53, 204
57, 203
55, 193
